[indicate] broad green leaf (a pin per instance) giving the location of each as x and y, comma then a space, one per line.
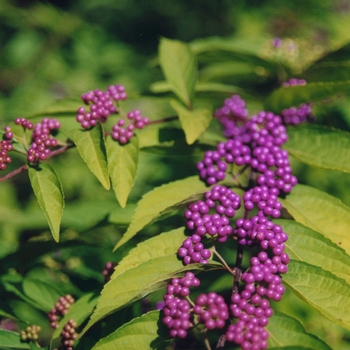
138, 282
320, 147
79, 312
286, 97
321, 212
145, 332
91, 147
312, 247
49, 193
159, 201
286, 331
194, 122
122, 166
11, 340
66, 107
321, 289
328, 72
41, 293
179, 67
163, 244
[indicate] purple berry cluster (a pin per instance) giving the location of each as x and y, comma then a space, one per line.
122, 131
61, 308
232, 114
42, 139
253, 144
5, 147
108, 270
300, 114
177, 309
69, 335
101, 106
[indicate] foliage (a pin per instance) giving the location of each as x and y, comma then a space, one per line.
94, 200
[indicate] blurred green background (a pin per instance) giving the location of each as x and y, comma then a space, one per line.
52, 50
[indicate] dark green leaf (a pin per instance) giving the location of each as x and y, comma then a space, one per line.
179, 67
122, 166
286, 97
145, 332
91, 147
12, 340
41, 293
320, 147
286, 331
321, 289
194, 122
156, 202
49, 193
321, 212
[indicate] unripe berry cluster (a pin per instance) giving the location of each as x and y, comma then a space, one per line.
30, 333
69, 335
108, 270
42, 140
61, 308
102, 106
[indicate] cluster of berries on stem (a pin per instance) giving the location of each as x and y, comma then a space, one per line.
254, 145
30, 333
101, 106
60, 309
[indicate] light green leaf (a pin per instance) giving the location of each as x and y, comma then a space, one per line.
122, 166
66, 107
321, 212
79, 312
11, 340
286, 331
41, 293
179, 67
320, 147
321, 289
286, 97
49, 193
91, 147
312, 247
145, 332
194, 122
160, 201
136, 283
163, 244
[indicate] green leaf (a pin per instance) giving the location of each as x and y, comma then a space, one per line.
321, 289
66, 107
11, 340
286, 97
320, 147
194, 122
139, 281
41, 293
145, 332
160, 201
163, 244
49, 193
286, 331
91, 147
312, 247
321, 212
79, 312
179, 67
122, 166
328, 71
